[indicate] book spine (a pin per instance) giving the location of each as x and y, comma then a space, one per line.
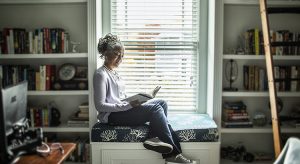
256, 78
45, 49
4, 38
279, 38
35, 42
32, 117
276, 77
262, 79
11, 41
41, 40
42, 78
62, 42
48, 77
251, 77
257, 42
52, 75
282, 78
30, 37
37, 81
246, 77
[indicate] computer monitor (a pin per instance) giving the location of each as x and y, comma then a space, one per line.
13, 105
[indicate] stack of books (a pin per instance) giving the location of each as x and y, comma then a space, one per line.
81, 117
235, 115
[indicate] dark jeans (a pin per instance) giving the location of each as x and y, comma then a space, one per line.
154, 112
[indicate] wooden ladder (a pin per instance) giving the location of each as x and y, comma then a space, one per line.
264, 12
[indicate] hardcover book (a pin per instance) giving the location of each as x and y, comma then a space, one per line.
143, 97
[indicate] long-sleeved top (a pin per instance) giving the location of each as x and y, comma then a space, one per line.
108, 90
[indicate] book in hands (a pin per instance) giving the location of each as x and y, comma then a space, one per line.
143, 97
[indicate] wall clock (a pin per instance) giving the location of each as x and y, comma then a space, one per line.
67, 71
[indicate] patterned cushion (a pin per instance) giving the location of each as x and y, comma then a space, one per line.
194, 127
188, 127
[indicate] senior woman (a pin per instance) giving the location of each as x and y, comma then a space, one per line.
109, 90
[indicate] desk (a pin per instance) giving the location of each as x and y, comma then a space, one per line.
56, 157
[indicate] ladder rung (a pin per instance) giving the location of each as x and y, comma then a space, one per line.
277, 10
276, 44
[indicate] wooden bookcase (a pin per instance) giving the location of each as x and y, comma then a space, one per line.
237, 16
71, 15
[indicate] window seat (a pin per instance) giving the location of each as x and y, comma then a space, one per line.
188, 127
123, 144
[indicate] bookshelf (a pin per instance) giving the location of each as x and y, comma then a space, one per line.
70, 15
57, 93
237, 16
266, 129
259, 94
230, 162
73, 17
261, 57
43, 56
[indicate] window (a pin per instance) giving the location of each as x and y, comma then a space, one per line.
161, 39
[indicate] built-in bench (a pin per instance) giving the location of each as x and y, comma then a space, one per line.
198, 135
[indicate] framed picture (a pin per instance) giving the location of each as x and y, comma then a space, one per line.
81, 72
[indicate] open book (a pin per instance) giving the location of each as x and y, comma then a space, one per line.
143, 97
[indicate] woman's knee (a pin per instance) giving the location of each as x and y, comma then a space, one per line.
161, 102
164, 105
156, 108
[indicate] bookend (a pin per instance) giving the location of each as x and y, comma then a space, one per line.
231, 74
55, 114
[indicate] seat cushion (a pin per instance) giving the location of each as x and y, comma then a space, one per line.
188, 127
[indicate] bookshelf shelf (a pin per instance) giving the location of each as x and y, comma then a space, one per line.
237, 18
64, 128
259, 130
260, 57
256, 2
57, 93
224, 161
44, 56
37, 16
259, 94
41, 1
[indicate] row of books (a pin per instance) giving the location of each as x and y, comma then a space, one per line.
41, 79
287, 78
13, 74
254, 45
39, 116
81, 117
38, 41
254, 78
82, 151
235, 115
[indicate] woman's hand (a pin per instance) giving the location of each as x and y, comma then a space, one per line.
135, 103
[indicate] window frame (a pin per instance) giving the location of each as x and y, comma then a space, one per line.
202, 69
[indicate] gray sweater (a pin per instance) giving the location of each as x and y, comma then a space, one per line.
108, 90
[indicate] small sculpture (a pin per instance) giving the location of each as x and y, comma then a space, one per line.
231, 74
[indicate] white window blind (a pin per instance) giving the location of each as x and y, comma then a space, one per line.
161, 42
